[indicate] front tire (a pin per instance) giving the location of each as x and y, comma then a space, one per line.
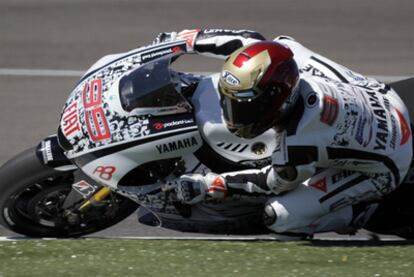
32, 196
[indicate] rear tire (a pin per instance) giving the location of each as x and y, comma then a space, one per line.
395, 215
31, 196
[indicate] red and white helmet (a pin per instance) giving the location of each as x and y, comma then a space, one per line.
255, 85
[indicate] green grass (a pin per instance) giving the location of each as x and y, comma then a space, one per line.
110, 257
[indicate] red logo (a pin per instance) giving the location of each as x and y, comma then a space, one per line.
70, 120
84, 188
218, 185
330, 110
320, 185
177, 49
158, 125
189, 36
105, 172
405, 128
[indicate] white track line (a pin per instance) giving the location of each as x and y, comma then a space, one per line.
40, 72
78, 73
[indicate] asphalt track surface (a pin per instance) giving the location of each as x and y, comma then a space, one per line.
371, 37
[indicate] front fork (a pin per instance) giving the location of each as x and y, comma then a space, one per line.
100, 195
50, 153
74, 215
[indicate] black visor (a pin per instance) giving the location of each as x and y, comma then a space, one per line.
252, 115
238, 113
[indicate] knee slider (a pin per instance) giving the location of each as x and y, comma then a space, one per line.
276, 217
269, 215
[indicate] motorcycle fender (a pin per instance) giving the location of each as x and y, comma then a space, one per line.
51, 154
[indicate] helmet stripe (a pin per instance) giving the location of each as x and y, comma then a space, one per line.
241, 59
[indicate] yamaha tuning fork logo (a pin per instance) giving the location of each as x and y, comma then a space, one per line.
230, 79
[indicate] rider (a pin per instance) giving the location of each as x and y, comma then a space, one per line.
342, 138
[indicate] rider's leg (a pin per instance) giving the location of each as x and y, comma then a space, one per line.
323, 203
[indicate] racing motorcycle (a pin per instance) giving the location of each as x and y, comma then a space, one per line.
130, 126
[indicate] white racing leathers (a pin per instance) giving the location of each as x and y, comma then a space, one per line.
348, 140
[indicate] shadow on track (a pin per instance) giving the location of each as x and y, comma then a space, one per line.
357, 243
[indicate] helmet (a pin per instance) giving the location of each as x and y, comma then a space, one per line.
257, 86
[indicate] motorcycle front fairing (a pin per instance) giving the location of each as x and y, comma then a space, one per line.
128, 113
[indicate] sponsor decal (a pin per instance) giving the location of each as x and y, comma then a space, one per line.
341, 175
208, 31
280, 153
380, 114
387, 104
177, 123
189, 36
355, 76
176, 145
313, 71
320, 185
330, 110
159, 53
311, 100
230, 79
173, 124
383, 182
84, 188
404, 127
364, 127
104, 172
393, 132
381, 88
359, 135
47, 151
70, 120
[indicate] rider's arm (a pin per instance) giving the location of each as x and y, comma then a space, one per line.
220, 43
217, 43
271, 179
194, 188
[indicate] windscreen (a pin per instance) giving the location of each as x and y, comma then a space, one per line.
150, 89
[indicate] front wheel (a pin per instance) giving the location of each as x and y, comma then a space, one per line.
32, 197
